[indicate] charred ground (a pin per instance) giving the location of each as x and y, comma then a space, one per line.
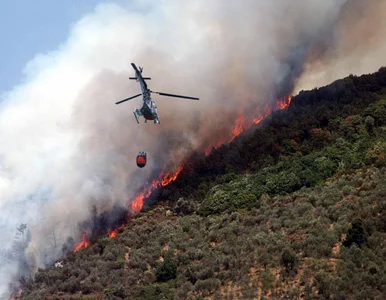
293, 207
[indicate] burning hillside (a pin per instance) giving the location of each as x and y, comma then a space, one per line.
242, 123
83, 244
230, 202
72, 160
165, 178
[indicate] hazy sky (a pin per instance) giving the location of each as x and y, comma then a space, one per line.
31, 27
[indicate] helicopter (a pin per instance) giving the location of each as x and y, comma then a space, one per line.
149, 108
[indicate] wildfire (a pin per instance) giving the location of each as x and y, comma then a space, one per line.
84, 243
137, 204
284, 102
114, 233
242, 124
169, 177
239, 125
164, 180
15, 297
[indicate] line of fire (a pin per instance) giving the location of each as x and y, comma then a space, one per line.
153, 191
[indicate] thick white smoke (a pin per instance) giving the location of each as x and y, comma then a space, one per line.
65, 145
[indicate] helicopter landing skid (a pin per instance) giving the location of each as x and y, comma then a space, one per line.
136, 117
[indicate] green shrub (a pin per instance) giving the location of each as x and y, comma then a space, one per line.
167, 269
356, 234
289, 260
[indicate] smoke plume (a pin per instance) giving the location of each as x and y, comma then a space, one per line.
67, 150
356, 45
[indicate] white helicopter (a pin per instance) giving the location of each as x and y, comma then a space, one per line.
149, 108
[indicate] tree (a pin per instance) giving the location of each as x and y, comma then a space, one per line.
265, 260
356, 234
369, 122
22, 228
289, 260
377, 111
184, 207
168, 269
68, 245
19, 246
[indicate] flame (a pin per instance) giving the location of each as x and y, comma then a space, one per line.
258, 120
137, 204
284, 102
164, 180
239, 124
84, 243
114, 233
169, 177
13, 295
242, 124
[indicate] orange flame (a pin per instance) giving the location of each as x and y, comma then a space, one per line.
284, 102
242, 124
239, 124
164, 180
17, 296
84, 243
114, 233
138, 202
169, 177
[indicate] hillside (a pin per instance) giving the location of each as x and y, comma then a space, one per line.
294, 207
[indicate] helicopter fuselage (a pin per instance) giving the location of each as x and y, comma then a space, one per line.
148, 110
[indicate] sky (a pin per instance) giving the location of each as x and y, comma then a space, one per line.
31, 27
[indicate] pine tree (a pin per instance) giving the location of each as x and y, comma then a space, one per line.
356, 234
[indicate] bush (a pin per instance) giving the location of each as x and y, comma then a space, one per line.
167, 269
185, 207
289, 260
356, 234
210, 285
227, 197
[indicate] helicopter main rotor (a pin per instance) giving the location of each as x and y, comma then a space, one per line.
173, 95
127, 99
161, 94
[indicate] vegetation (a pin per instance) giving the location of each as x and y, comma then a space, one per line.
294, 209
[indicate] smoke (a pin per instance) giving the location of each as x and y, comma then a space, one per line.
356, 46
68, 150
